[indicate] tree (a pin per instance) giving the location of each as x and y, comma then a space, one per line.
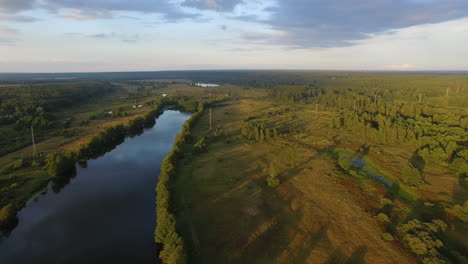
344, 163
272, 179
411, 175
200, 145
35, 119
60, 164
7, 216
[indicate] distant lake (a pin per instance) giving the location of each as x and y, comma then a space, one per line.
106, 214
207, 85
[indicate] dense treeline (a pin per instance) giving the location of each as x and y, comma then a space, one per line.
25, 107
172, 251
18, 103
441, 143
388, 114
257, 131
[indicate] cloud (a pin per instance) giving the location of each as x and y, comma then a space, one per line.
5, 30
331, 23
6, 41
17, 18
103, 8
7, 36
86, 15
16, 5
129, 38
400, 67
92, 9
255, 36
218, 5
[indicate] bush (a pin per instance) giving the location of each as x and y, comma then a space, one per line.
387, 237
60, 164
7, 216
344, 163
273, 181
200, 145
383, 218
411, 175
18, 164
422, 238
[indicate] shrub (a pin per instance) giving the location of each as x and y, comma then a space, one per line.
387, 237
200, 145
273, 181
344, 163
18, 164
422, 238
383, 218
459, 211
411, 175
7, 216
385, 201
60, 164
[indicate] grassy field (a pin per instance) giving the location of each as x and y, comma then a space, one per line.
318, 214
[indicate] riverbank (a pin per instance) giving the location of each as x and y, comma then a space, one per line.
59, 167
22, 176
106, 213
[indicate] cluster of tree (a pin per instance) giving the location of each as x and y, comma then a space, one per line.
102, 143
166, 234
186, 104
7, 217
427, 238
296, 93
439, 143
411, 175
257, 131
25, 109
272, 179
388, 117
422, 239
18, 103
200, 145
60, 164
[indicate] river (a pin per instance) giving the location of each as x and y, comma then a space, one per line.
106, 214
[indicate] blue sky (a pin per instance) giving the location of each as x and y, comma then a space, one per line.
139, 35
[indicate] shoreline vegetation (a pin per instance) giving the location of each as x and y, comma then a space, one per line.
171, 244
166, 235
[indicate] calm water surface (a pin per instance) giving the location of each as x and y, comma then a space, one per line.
106, 214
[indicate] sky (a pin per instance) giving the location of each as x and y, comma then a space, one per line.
152, 35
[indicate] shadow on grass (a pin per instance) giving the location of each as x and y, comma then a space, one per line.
357, 257
310, 244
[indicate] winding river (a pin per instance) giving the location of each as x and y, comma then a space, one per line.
106, 214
